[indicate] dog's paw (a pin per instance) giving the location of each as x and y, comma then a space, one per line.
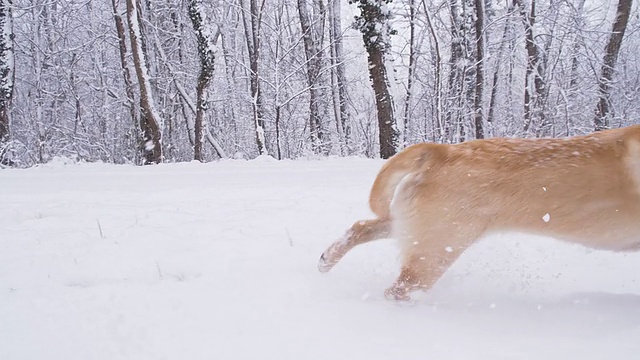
323, 264
397, 294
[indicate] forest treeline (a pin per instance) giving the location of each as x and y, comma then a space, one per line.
149, 81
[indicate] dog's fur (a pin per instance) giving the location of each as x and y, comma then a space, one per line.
439, 199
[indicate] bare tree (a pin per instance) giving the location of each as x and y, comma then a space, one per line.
496, 72
461, 78
411, 71
313, 55
126, 75
207, 66
6, 74
228, 19
578, 41
373, 22
603, 108
339, 79
479, 91
438, 123
252, 20
535, 95
149, 120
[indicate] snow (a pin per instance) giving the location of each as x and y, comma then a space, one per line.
218, 261
148, 145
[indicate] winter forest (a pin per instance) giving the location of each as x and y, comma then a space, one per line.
148, 81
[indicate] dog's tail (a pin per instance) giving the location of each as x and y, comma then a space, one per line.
410, 160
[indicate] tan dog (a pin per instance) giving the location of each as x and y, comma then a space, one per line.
439, 199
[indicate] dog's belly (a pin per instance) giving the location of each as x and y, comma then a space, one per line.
612, 239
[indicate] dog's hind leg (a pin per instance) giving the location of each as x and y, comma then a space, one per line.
425, 259
359, 233
419, 272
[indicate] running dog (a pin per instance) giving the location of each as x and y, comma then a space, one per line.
439, 199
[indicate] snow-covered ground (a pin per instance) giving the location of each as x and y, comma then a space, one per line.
218, 261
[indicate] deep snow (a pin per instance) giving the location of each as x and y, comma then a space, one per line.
218, 261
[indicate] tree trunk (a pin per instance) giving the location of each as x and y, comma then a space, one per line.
312, 53
388, 133
132, 134
461, 82
479, 93
149, 124
533, 96
340, 90
496, 78
6, 74
227, 40
252, 32
207, 66
278, 107
439, 126
373, 23
573, 90
411, 71
601, 120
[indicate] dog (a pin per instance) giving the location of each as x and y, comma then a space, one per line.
439, 199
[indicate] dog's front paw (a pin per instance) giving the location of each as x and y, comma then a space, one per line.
326, 262
330, 257
323, 265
